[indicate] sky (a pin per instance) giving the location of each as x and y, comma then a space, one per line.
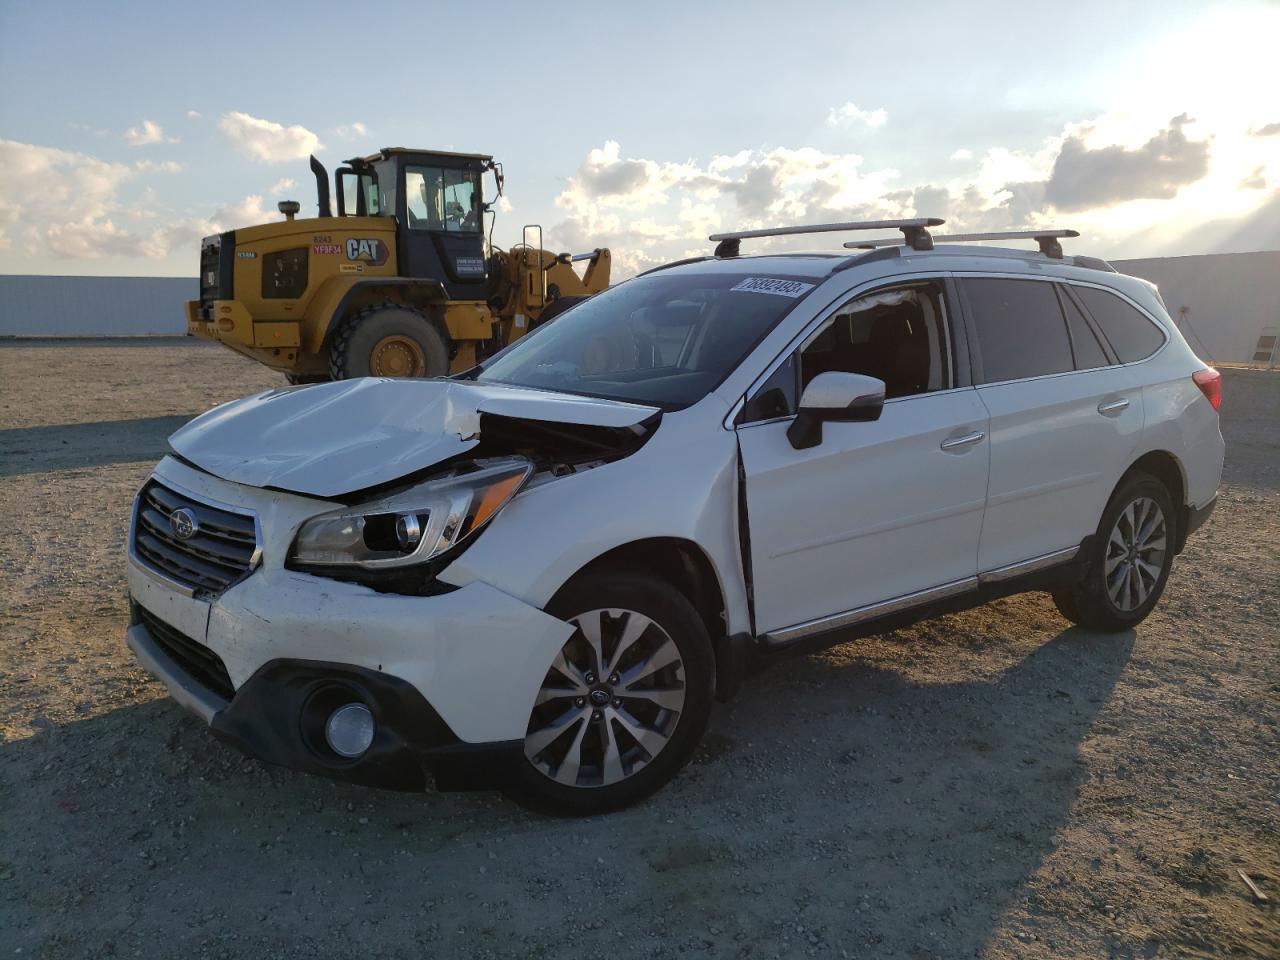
130, 130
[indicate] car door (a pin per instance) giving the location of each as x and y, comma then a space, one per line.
877, 511
1064, 419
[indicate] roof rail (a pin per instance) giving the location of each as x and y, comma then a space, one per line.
915, 232
1047, 239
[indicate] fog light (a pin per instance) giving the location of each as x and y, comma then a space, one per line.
349, 730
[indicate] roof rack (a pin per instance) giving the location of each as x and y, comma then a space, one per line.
1047, 239
914, 232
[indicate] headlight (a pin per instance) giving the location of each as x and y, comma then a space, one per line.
412, 526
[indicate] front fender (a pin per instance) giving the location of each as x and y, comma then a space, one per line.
682, 484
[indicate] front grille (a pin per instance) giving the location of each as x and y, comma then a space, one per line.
195, 658
221, 550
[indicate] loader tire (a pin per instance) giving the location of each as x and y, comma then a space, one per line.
302, 379
388, 341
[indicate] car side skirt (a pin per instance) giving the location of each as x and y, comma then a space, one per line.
1038, 573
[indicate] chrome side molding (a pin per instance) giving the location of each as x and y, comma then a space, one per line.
1009, 571
835, 621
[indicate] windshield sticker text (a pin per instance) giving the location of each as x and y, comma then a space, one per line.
781, 288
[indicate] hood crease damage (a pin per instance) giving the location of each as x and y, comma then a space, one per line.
349, 439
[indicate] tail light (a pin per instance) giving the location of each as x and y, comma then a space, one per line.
1209, 381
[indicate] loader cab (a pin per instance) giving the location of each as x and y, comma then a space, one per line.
438, 206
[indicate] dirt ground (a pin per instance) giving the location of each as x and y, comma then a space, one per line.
989, 784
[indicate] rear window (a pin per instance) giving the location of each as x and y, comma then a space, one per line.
1021, 331
1132, 335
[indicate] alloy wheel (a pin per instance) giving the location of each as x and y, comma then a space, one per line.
610, 702
1135, 554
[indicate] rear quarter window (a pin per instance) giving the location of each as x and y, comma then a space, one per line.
1020, 327
1089, 352
1132, 335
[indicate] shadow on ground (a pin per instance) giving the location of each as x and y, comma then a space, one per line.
75, 446
834, 806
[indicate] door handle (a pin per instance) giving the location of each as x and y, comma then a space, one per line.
1109, 408
964, 440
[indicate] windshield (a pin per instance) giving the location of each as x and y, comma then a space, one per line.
664, 339
442, 198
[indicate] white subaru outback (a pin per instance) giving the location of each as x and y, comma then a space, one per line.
539, 574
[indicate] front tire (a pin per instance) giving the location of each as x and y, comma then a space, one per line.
388, 341
1131, 557
624, 703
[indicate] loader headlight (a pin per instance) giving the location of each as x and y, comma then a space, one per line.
412, 526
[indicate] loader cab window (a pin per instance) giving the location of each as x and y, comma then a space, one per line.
442, 198
353, 185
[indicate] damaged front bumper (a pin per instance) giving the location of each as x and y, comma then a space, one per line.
277, 716
449, 679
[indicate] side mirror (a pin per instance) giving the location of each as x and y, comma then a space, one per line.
838, 397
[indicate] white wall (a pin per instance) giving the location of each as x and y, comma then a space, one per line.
94, 306
1229, 298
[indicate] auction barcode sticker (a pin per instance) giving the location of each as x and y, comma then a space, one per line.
781, 288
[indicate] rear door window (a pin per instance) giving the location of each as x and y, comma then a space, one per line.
1132, 335
1088, 351
1020, 328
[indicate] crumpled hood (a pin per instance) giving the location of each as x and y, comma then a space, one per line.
336, 438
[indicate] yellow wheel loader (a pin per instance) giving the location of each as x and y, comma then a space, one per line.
399, 282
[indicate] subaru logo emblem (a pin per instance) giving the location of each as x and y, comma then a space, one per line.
183, 523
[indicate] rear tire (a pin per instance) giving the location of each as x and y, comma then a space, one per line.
1129, 561
388, 341
617, 718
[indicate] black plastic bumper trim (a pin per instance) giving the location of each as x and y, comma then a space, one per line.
1193, 519
278, 717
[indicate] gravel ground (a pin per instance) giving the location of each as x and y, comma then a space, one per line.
989, 784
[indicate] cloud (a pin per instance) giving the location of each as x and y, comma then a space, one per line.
164, 166
642, 207
46, 185
149, 132
1134, 184
1083, 178
351, 131
849, 114
931, 201
1270, 130
244, 213
194, 115
66, 205
283, 185
266, 140
1256, 180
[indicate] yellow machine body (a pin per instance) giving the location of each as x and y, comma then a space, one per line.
277, 292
